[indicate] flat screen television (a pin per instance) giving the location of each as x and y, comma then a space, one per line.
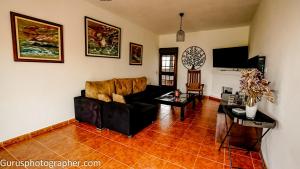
234, 57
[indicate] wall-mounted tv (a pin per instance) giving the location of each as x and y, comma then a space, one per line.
234, 57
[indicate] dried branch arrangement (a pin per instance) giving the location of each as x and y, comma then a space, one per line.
253, 84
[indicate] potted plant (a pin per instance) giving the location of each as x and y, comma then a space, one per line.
255, 87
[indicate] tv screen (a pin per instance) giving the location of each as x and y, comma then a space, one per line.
235, 57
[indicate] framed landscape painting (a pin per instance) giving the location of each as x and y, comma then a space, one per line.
135, 54
36, 40
102, 39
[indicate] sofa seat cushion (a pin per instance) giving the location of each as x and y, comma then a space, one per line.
123, 86
140, 107
137, 97
93, 88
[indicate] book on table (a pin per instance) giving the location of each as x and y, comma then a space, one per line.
239, 111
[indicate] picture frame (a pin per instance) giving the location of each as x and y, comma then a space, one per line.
135, 54
102, 39
36, 40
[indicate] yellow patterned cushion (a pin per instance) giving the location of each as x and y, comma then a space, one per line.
123, 86
118, 98
104, 97
93, 88
139, 84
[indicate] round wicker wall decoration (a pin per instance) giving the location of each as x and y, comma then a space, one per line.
193, 57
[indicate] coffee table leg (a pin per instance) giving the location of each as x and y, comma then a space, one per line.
194, 103
182, 113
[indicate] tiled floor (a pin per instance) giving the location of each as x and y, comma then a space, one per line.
166, 144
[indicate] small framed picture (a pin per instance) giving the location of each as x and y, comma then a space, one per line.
135, 54
36, 40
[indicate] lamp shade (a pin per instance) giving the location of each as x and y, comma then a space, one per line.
180, 36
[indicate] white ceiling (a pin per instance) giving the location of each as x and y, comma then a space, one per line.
162, 16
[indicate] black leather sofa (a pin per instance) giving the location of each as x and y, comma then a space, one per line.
139, 111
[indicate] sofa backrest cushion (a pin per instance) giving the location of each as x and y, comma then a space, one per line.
93, 88
139, 84
123, 86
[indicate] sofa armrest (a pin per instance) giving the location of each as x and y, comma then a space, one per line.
116, 116
88, 110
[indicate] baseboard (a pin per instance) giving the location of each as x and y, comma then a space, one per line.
35, 133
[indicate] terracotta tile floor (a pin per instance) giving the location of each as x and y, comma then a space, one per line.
167, 143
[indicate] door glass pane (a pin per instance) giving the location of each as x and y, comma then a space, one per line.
163, 80
168, 80
171, 69
168, 63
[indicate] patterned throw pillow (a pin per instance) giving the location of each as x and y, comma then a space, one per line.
139, 84
104, 97
118, 98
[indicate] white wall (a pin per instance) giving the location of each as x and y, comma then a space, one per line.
213, 78
36, 95
275, 33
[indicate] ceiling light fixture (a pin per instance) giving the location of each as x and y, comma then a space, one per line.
180, 36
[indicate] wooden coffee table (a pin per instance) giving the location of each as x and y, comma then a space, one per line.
181, 101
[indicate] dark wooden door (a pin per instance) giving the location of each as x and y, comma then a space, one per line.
168, 68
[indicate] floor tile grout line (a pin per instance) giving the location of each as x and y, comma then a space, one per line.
198, 149
61, 155
115, 160
224, 161
252, 161
113, 157
174, 164
164, 159
210, 159
197, 156
5, 149
189, 125
99, 152
241, 155
65, 135
198, 153
33, 138
11, 154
